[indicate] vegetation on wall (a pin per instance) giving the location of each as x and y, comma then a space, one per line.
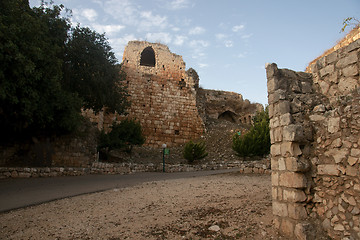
194, 151
49, 71
256, 142
123, 136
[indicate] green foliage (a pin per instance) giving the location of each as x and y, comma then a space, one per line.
256, 142
194, 151
350, 21
31, 49
123, 135
48, 72
91, 71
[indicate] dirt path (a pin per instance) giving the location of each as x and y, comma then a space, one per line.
227, 206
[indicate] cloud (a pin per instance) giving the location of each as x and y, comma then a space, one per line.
196, 31
203, 65
178, 4
125, 11
159, 37
84, 14
179, 40
220, 36
238, 28
149, 21
108, 29
118, 44
175, 29
228, 43
246, 36
199, 43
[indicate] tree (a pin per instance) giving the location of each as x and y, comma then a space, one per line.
256, 142
91, 71
194, 151
31, 51
350, 21
123, 135
49, 71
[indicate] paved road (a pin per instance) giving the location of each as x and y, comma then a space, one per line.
19, 193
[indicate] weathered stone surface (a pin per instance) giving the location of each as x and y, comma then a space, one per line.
297, 211
328, 169
294, 133
349, 59
327, 70
352, 160
294, 195
296, 165
333, 124
290, 149
280, 209
287, 227
316, 117
286, 119
291, 179
350, 71
275, 149
352, 171
346, 85
282, 108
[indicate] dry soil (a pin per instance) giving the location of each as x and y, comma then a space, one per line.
227, 206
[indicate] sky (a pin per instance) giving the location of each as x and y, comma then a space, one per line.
228, 42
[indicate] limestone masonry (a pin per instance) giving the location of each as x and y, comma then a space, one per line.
167, 100
315, 137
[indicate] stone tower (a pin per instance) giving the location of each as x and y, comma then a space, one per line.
162, 94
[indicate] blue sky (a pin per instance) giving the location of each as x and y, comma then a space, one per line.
227, 42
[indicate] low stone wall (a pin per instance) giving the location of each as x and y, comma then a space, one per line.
259, 167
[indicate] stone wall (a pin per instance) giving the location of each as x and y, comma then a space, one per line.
247, 167
162, 95
74, 150
315, 123
228, 106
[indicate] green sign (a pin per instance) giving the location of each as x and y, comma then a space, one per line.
166, 151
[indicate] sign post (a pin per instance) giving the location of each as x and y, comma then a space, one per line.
165, 151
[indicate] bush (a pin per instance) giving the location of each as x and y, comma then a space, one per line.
256, 142
194, 151
124, 135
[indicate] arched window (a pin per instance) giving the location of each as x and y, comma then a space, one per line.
148, 57
228, 116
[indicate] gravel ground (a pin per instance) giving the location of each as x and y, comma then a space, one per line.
227, 206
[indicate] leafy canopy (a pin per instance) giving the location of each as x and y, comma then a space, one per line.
194, 151
49, 71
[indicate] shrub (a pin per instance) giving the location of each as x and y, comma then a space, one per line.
194, 151
256, 142
124, 135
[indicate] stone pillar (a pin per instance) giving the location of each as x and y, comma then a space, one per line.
287, 136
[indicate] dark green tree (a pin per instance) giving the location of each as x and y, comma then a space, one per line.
48, 71
256, 142
123, 135
194, 151
32, 43
91, 71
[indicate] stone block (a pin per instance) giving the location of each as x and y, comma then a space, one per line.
350, 71
294, 195
319, 108
352, 171
346, 85
324, 87
274, 164
290, 149
275, 149
275, 178
279, 209
338, 155
332, 57
297, 211
274, 122
327, 70
347, 60
355, 152
328, 169
333, 124
271, 70
286, 119
316, 118
296, 165
352, 160
292, 179
281, 108
287, 228
278, 134
293, 133
282, 165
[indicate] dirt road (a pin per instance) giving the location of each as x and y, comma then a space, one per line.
227, 206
